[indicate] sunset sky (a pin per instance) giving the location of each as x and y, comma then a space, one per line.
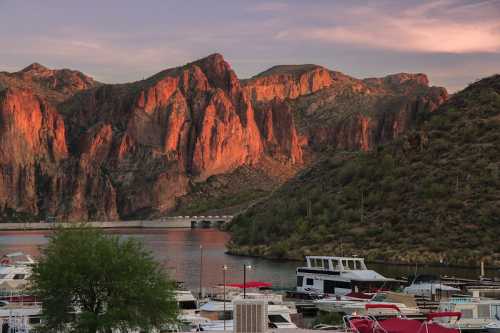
455, 42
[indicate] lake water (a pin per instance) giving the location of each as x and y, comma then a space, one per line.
179, 251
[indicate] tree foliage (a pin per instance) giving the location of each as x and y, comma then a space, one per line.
92, 282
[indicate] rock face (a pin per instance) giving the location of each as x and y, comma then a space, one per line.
77, 149
291, 81
333, 109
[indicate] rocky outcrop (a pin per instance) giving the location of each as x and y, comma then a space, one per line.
53, 85
77, 149
32, 135
292, 81
181, 125
335, 110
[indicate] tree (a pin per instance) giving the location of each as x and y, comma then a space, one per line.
92, 282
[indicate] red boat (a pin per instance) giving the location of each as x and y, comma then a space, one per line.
399, 324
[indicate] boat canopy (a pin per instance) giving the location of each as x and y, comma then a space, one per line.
250, 284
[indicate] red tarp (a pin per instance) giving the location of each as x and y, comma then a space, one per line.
359, 295
433, 315
397, 325
250, 284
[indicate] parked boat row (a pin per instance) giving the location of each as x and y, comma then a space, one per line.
342, 285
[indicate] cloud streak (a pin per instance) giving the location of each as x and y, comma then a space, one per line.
434, 27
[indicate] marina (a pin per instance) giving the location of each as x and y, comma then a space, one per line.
212, 282
178, 250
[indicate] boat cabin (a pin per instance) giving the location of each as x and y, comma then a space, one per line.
339, 276
336, 263
476, 312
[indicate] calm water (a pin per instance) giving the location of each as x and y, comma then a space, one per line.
179, 251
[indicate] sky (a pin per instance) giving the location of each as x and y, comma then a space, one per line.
455, 42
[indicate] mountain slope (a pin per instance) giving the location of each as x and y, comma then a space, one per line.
431, 195
186, 140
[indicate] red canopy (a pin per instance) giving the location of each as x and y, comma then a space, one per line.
397, 325
250, 284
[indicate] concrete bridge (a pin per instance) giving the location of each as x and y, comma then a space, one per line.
166, 222
198, 221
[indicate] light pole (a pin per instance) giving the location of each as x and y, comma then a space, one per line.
224, 269
245, 267
201, 270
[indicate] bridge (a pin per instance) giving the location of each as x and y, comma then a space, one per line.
198, 221
165, 222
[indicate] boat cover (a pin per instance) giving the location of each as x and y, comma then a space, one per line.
250, 284
398, 325
368, 324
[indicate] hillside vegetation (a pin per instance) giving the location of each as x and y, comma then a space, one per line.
431, 196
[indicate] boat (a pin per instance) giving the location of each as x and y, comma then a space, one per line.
405, 304
399, 323
333, 303
279, 315
431, 287
15, 271
477, 313
186, 302
15, 267
493, 327
339, 276
20, 319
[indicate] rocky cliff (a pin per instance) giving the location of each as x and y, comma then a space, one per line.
335, 110
77, 149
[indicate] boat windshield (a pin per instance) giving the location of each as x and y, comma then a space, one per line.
379, 298
277, 319
187, 305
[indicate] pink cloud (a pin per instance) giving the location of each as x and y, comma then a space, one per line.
440, 26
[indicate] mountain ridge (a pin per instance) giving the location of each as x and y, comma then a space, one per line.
147, 148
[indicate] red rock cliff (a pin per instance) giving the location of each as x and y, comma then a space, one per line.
80, 150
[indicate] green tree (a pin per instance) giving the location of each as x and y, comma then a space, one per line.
92, 282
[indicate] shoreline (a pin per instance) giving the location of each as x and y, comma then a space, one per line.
379, 262
133, 224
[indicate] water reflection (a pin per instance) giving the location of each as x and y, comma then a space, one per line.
179, 251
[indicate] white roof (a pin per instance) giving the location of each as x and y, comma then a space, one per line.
8, 310
184, 296
364, 275
334, 258
216, 306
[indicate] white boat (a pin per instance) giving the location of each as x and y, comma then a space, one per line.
279, 315
217, 325
186, 302
493, 327
334, 303
477, 313
430, 286
404, 304
15, 271
15, 267
20, 319
339, 276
